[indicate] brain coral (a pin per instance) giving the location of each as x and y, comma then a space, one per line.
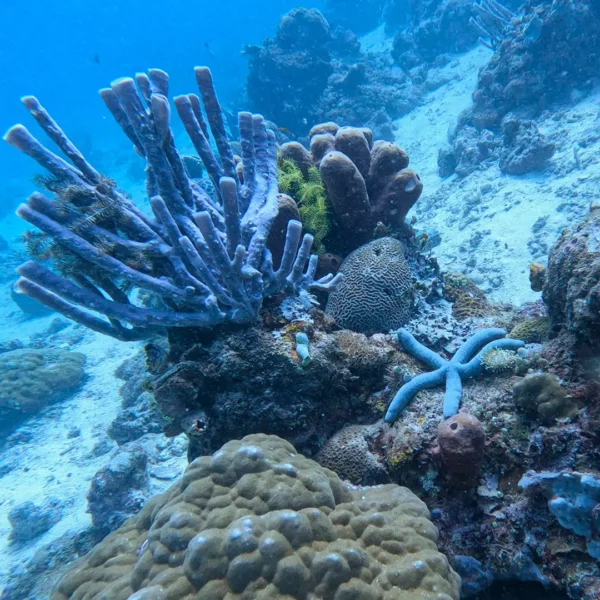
377, 292
31, 379
258, 521
348, 454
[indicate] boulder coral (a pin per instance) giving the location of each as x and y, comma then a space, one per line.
258, 520
31, 379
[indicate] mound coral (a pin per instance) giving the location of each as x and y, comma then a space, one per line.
376, 293
540, 394
204, 258
466, 363
258, 520
31, 379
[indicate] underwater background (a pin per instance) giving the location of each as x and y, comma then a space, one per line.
345, 345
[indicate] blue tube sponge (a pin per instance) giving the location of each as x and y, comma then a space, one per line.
203, 257
452, 372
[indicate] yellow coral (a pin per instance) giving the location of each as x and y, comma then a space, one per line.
310, 196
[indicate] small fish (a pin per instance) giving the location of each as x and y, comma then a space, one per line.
285, 130
210, 52
96, 58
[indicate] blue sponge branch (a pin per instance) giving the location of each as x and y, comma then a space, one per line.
453, 372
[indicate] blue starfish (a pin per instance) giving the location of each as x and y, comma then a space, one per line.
452, 371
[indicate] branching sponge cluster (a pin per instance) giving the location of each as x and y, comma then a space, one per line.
257, 520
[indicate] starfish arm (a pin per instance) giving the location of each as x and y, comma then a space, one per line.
420, 352
453, 394
408, 391
476, 341
473, 367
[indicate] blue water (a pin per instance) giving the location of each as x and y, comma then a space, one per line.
64, 51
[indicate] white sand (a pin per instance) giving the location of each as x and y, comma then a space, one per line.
504, 208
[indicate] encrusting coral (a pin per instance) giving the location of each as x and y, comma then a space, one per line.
258, 520
204, 257
377, 292
466, 363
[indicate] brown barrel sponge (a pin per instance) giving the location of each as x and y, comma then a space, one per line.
299, 154
353, 143
287, 211
329, 127
347, 193
397, 198
320, 145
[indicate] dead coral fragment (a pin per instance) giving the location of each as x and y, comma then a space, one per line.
541, 395
258, 520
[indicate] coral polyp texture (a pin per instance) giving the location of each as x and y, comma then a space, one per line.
203, 258
258, 520
367, 182
377, 292
466, 363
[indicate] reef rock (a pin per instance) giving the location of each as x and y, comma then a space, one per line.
252, 380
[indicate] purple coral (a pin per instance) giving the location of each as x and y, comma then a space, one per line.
204, 259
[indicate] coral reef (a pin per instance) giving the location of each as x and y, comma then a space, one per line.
466, 363
203, 257
461, 442
541, 395
376, 293
572, 288
322, 75
287, 75
31, 379
349, 454
257, 518
252, 381
522, 75
522, 79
